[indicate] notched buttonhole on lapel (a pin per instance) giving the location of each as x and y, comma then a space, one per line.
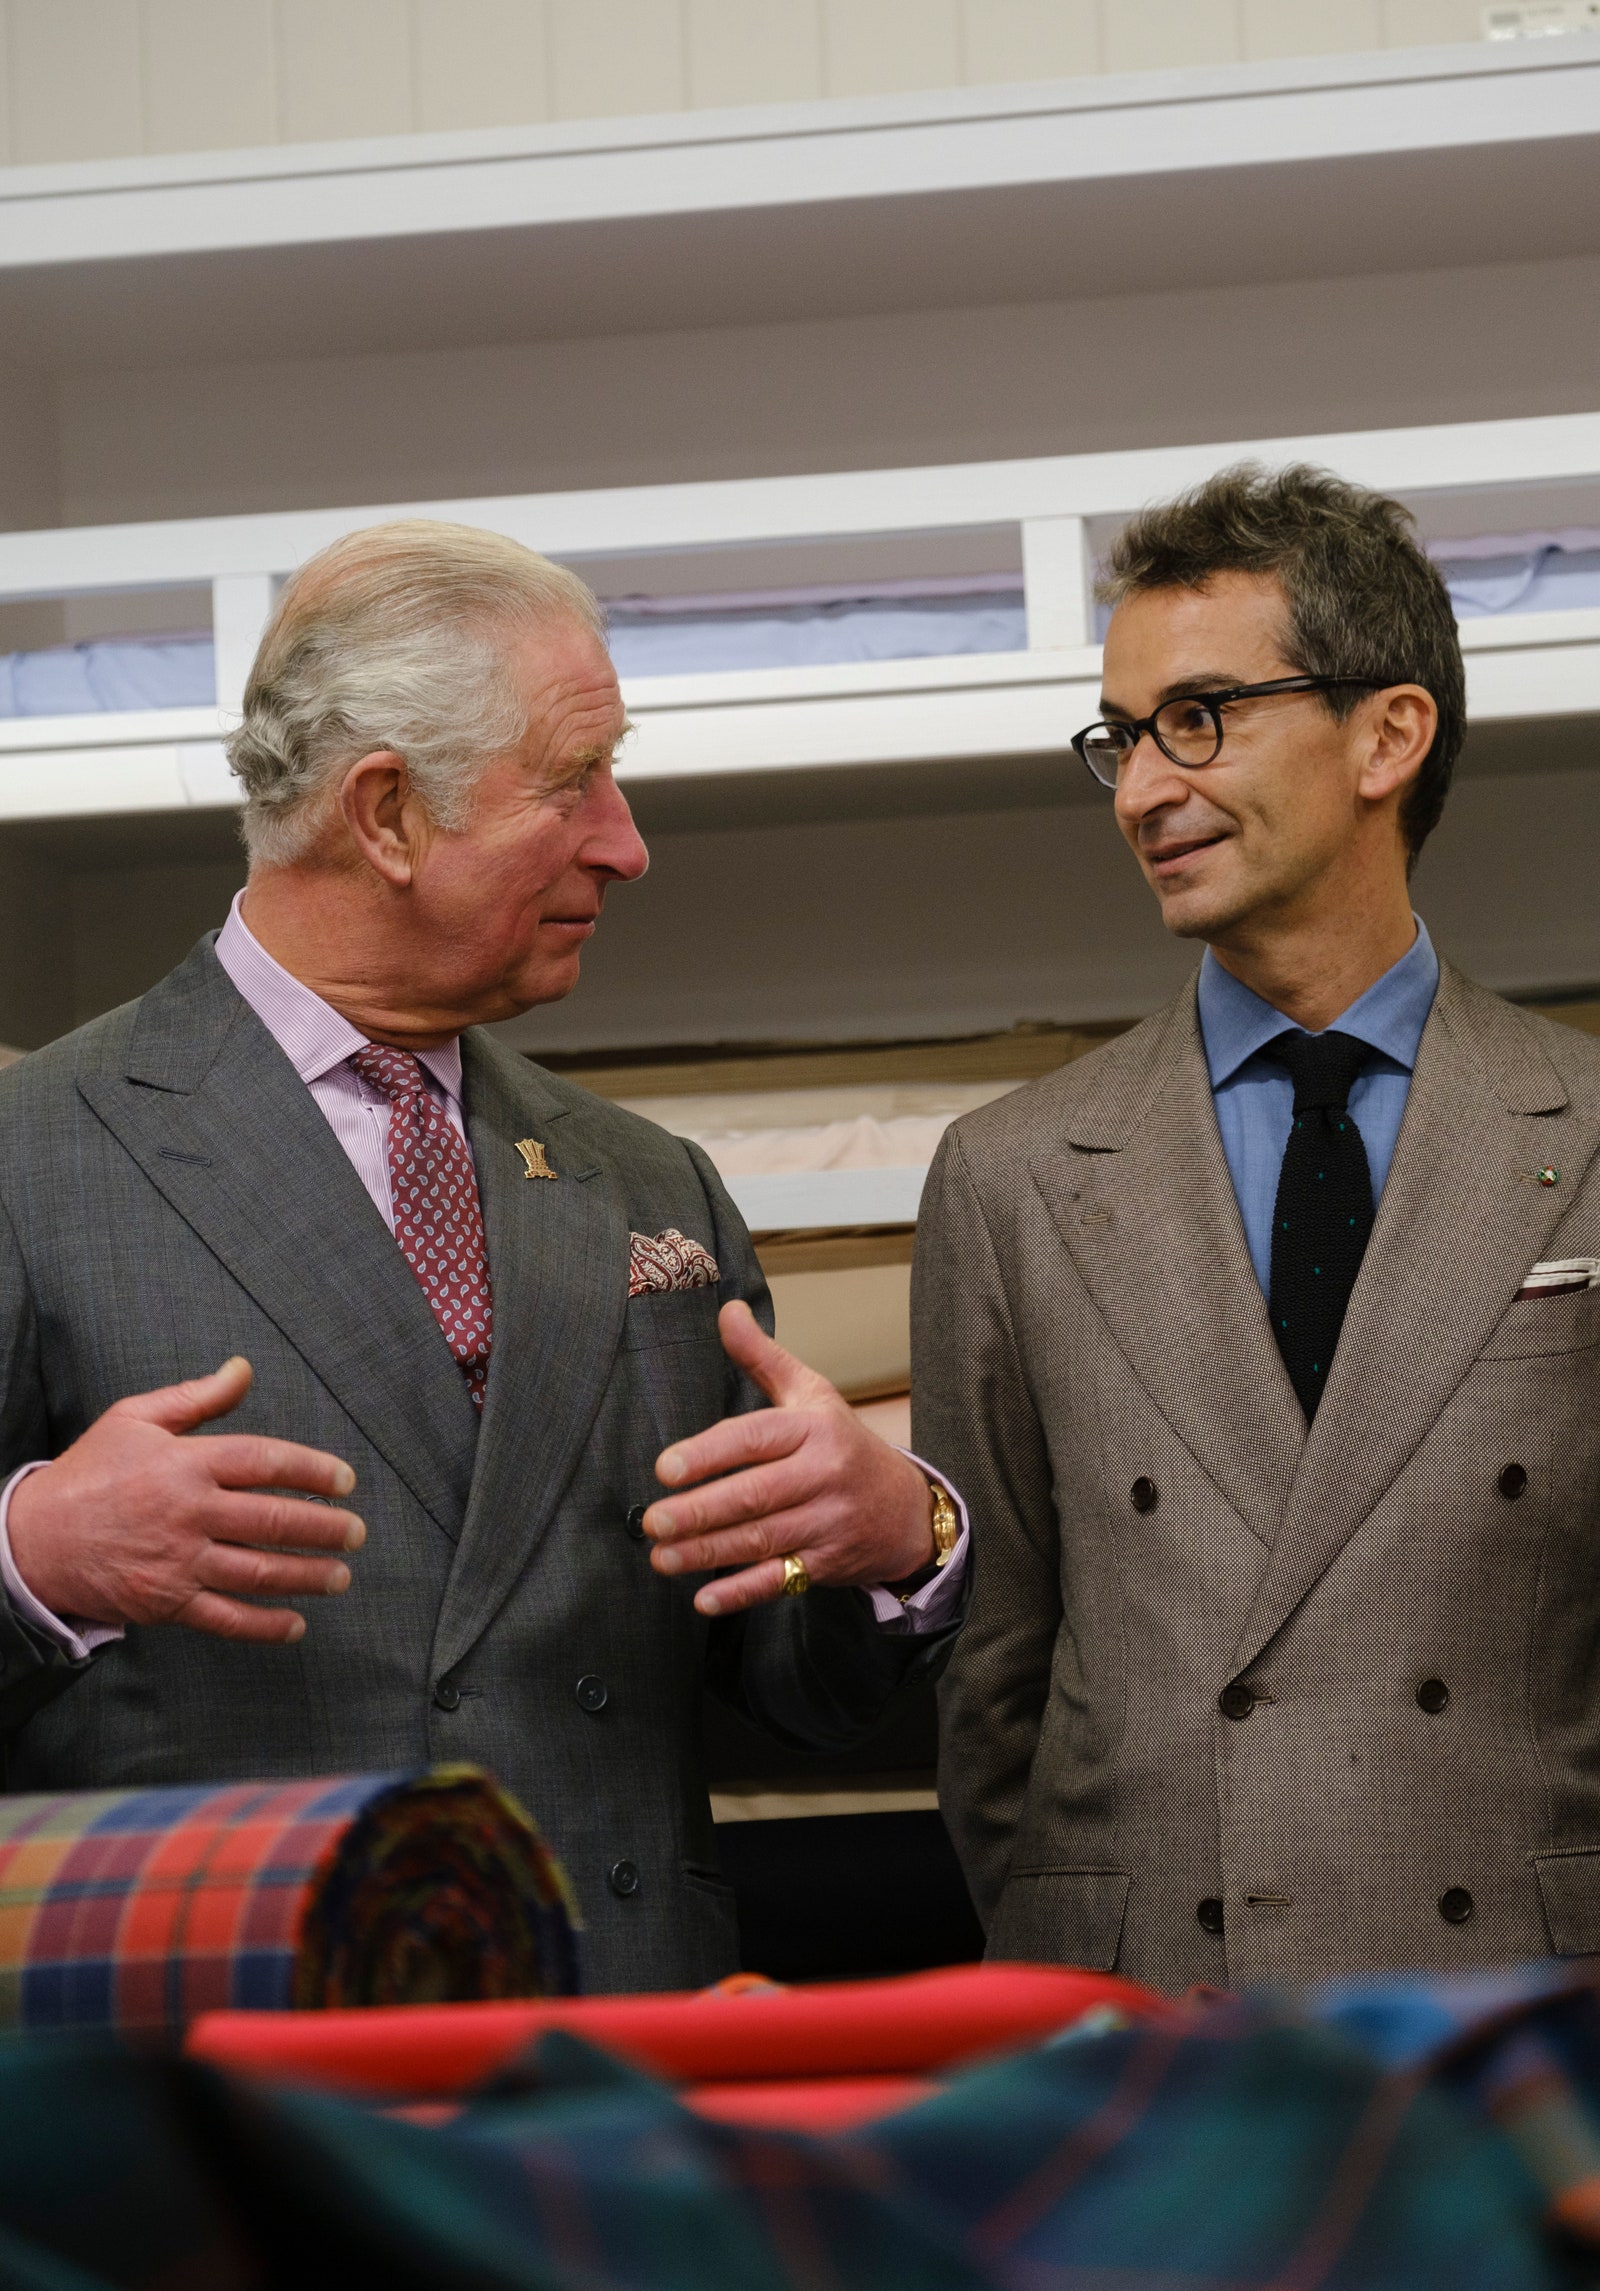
1094, 1217
196, 1160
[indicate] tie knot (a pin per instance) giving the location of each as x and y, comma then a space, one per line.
395, 1072
1323, 1067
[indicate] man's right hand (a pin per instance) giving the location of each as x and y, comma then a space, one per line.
135, 1524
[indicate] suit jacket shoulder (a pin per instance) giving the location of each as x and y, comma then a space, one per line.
44, 1076
1531, 1064
1097, 1101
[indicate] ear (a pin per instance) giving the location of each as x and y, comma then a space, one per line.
383, 817
1400, 724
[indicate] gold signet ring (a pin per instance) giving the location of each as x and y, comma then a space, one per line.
795, 1579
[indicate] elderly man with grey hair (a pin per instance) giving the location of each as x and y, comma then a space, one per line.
497, 1314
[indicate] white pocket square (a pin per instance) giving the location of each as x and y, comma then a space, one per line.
1562, 1277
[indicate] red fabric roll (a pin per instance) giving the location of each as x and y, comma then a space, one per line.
913, 2026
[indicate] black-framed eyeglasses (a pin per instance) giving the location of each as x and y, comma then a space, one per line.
1188, 730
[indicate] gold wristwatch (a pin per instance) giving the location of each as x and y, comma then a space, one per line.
946, 1523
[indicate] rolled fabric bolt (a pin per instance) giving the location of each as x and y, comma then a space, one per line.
136, 1910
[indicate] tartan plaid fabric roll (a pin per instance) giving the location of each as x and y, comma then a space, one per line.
135, 1910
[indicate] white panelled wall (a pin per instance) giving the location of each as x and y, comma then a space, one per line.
99, 79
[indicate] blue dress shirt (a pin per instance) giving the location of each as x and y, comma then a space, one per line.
1254, 1096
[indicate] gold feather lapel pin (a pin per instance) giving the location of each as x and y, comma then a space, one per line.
532, 1153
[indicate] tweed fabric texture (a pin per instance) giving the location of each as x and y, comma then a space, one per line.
433, 1191
1322, 1217
137, 1910
1086, 1319
170, 1195
668, 1260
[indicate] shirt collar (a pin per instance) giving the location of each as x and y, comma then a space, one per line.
313, 1036
1235, 1022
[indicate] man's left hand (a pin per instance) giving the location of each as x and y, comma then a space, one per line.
803, 1476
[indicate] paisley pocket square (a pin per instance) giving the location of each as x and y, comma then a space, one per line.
1561, 1277
668, 1260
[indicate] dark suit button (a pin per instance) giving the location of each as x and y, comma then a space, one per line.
591, 1693
1432, 1695
1236, 1701
623, 1878
1513, 1482
1209, 1912
635, 1522
1142, 1494
1455, 1907
447, 1695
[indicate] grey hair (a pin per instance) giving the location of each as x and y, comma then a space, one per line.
394, 637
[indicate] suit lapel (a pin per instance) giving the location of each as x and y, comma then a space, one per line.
558, 1260
1461, 1220
217, 1118
1147, 1208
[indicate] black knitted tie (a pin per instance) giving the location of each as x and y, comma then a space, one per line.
1323, 1214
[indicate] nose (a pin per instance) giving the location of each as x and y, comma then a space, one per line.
614, 845
1148, 781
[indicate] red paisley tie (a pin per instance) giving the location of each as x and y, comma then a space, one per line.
437, 1218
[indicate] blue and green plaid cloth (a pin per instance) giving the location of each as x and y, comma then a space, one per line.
1368, 2138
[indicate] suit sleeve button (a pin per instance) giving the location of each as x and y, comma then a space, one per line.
635, 1522
447, 1695
1236, 1701
1455, 1907
623, 1878
1432, 1695
1143, 1493
591, 1693
1513, 1482
1209, 1913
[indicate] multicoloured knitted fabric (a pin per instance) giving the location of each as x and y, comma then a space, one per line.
135, 1910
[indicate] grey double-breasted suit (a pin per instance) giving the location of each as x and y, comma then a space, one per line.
1154, 1525
169, 1195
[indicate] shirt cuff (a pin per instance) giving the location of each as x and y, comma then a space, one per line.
934, 1606
76, 1641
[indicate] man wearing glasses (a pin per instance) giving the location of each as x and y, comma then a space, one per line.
1263, 1343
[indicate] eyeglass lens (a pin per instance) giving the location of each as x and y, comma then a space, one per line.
1189, 731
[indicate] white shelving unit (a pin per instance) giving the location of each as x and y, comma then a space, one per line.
968, 708
1310, 167
546, 330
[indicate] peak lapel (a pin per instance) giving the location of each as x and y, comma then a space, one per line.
1460, 1222
1149, 1214
558, 1260
224, 1128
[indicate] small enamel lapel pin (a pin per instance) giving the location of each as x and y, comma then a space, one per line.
532, 1153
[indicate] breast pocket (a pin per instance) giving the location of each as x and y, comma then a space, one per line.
1537, 1326
671, 1316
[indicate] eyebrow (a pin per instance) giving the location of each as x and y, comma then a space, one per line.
582, 760
1213, 680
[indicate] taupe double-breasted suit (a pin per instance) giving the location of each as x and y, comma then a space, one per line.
171, 1194
1399, 1609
